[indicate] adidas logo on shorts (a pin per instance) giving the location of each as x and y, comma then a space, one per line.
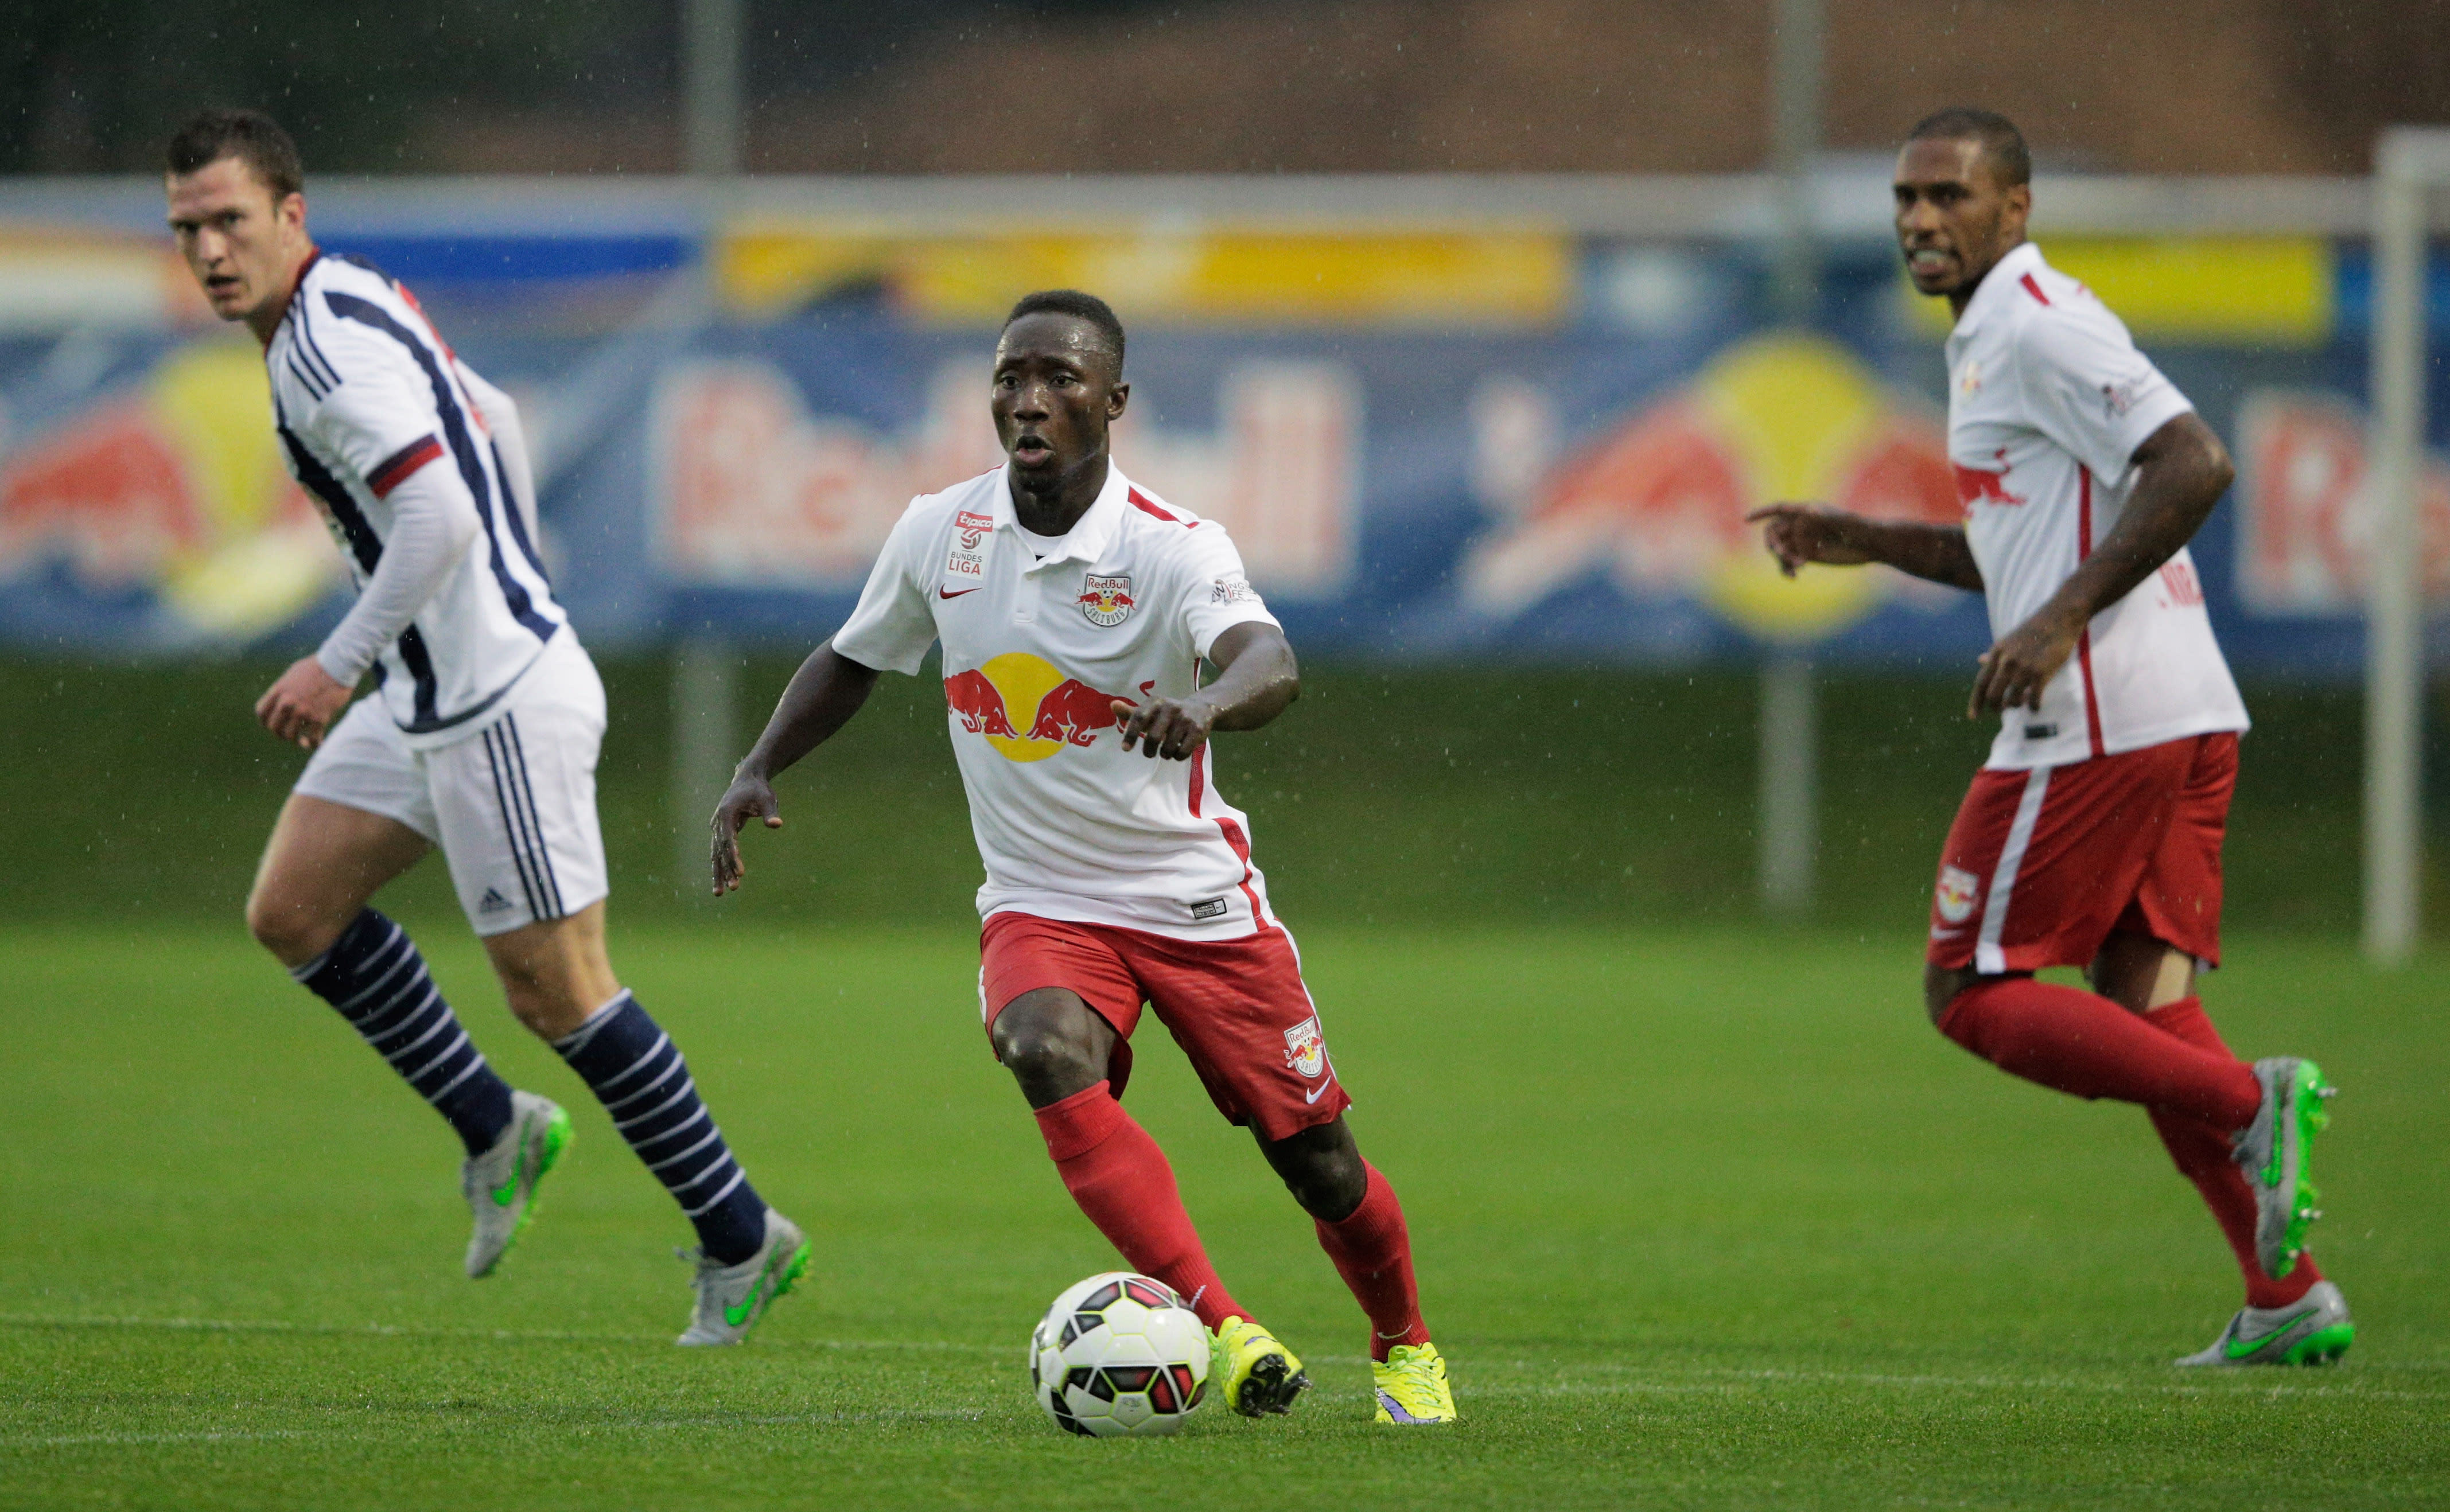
493, 902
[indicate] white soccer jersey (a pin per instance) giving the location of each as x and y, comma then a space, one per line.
2047, 399
1069, 825
365, 395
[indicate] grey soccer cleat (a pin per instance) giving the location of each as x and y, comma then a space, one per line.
2316, 1329
730, 1299
2275, 1151
500, 1185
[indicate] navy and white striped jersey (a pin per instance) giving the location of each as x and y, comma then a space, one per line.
367, 395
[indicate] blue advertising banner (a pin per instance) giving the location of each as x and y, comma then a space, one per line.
1565, 486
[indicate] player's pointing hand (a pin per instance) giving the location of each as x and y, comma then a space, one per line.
750, 794
1164, 728
1796, 534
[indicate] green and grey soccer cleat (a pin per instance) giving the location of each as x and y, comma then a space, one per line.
2275, 1151
2316, 1329
500, 1185
732, 1299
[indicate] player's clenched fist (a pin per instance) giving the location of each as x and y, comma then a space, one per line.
1164, 728
749, 796
302, 703
1797, 534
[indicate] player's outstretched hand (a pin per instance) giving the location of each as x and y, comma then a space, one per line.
300, 706
1796, 534
750, 795
2014, 672
1164, 728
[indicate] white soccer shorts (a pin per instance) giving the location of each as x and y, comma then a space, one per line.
511, 807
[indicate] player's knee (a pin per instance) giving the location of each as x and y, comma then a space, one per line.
1044, 1055
295, 935
1323, 1169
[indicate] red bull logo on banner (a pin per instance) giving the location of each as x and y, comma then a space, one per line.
172, 489
2305, 511
1658, 501
1027, 710
755, 490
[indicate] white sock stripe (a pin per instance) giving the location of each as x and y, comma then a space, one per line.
678, 1130
604, 1091
476, 1064
713, 1135
738, 1176
713, 1168
1989, 959
446, 1052
403, 1015
687, 1093
443, 1018
673, 1066
348, 1006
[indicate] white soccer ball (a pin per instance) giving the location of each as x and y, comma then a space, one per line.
1120, 1354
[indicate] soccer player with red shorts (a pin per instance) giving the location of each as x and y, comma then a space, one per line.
1075, 609
2091, 837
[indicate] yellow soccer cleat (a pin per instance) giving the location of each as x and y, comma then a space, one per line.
1258, 1374
1412, 1385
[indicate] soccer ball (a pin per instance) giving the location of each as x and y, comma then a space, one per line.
1118, 1354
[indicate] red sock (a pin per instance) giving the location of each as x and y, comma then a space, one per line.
2202, 1153
2090, 1046
1121, 1180
1373, 1254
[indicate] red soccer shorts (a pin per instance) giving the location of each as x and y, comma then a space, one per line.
1237, 1007
2042, 866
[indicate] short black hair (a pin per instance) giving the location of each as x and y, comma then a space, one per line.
2001, 142
1081, 307
250, 136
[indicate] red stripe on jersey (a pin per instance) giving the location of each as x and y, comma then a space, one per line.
2034, 289
1146, 506
401, 464
1235, 839
2084, 640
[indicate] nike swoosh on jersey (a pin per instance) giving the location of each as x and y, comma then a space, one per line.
946, 592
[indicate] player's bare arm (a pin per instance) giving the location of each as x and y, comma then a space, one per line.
1801, 533
823, 695
2182, 470
1257, 681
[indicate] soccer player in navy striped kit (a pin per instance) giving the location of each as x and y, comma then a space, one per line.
481, 738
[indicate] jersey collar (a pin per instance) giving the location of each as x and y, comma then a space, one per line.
289, 301
1090, 534
1998, 285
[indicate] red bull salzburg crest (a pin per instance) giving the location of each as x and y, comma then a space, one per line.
1106, 600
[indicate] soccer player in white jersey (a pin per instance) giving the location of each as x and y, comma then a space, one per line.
2091, 837
481, 737
1075, 608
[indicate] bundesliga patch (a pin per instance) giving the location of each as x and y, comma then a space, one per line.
1106, 601
965, 570
972, 527
1305, 1049
1958, 888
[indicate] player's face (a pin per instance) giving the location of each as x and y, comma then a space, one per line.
239, 244
1056, 392
1954, 217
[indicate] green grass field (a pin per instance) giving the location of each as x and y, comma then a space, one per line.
1706, 1219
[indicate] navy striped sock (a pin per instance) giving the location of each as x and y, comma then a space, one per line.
375, 977
637, 1072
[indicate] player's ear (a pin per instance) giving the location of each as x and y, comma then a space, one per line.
291, 211
1116, 398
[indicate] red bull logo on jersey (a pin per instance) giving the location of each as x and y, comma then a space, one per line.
1304, 1048
1655, 501
1106, 601
1976, 485
1026, 709
1959, 891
